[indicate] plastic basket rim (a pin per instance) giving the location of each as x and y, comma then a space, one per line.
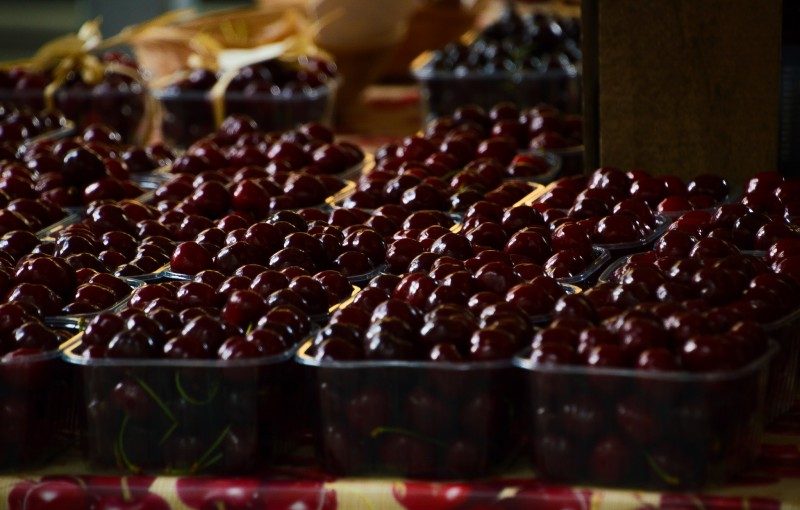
303, 358
520, 361
68, 354
325, 90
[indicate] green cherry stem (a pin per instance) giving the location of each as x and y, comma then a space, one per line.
192, 400
121, 447
156, 398
663, 475
199, 464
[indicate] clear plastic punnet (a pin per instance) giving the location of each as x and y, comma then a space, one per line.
635, 428
418, 419
188, 416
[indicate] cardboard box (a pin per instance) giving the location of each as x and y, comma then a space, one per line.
683, 86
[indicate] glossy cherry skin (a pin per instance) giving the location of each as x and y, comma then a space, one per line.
496, 277
131, 344
566, 264
616, 228
706, 353
708, 184
492, 344
533, 300
531, 243
452, 245
353, 263
191, 258
414, 288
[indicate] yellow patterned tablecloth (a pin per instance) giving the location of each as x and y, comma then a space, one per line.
772, 484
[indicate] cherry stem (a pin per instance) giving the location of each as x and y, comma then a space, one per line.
156, 399
168, 433
191, 400
416, 435
666, 477
200, 463
210, 462
121, 448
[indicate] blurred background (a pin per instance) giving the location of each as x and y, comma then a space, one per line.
26, 24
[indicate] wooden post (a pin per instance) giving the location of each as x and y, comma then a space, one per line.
685, 86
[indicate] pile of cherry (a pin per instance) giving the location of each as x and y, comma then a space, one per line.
687, 301
71, 173
276, 92
251, 244
117, 98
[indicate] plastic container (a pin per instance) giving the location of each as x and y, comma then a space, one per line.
419, 419
51, 230
444, 91
83, 318
784, 371
160, 274
189, 115
37, 407
785, 332
121, 106
66, 129
555, 171
363, 279
166, 274
608, 274
185, 416
155, 177
571, 159
364, 167
588, 277
623, 427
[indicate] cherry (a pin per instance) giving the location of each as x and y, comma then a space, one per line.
342, 331
707, 353
531, 243
714, 285
455, 330
709, 184
710, 248
610, 460
496, 277
565, 264
99, 295
191, 258
40, 297
606, 356
18, 243
401, 252
243, 307
286, 320
555, 335
368, 242
336, 349
56, 494
533, 300
553, 354
34, 335
131, 344
492, 344
616, 228
452, 245
102, 328
186, 347
772, 232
